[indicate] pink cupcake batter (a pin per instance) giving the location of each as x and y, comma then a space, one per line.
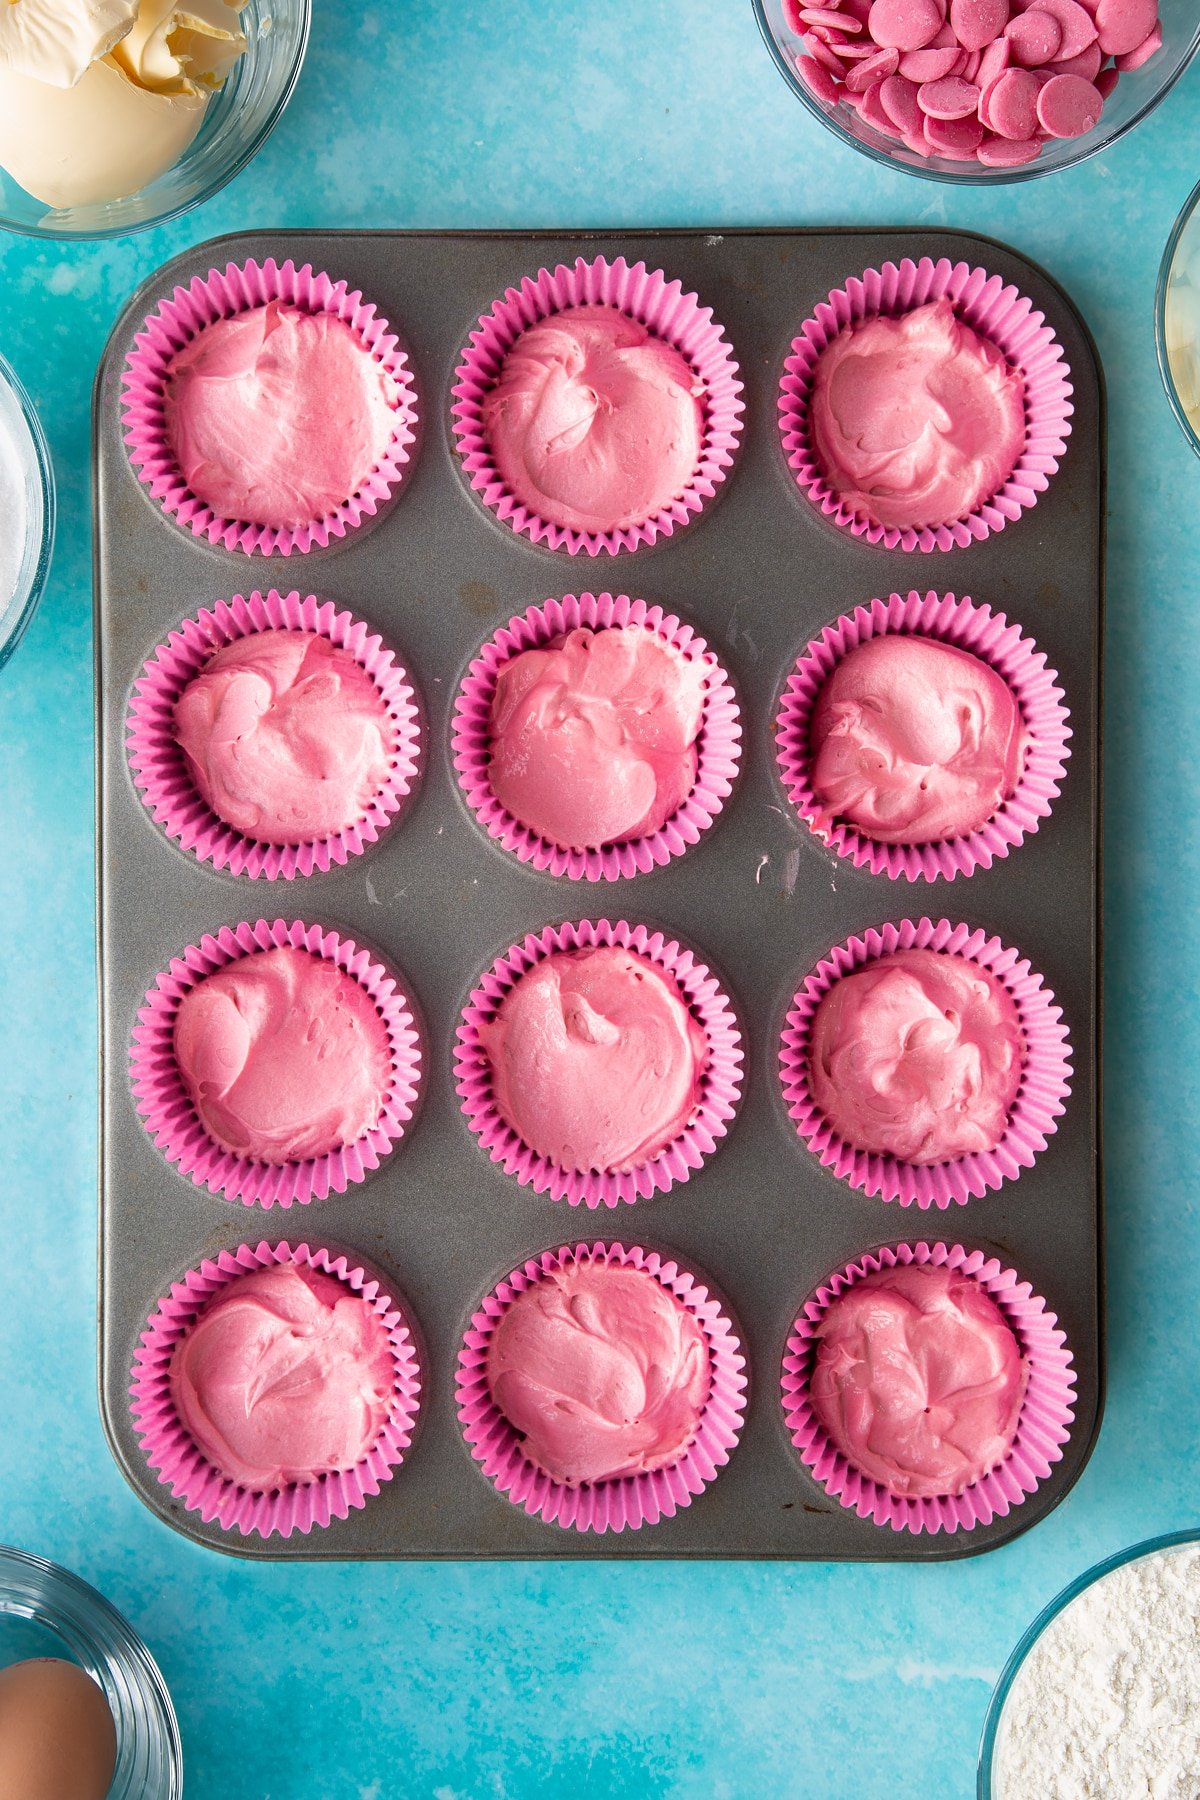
914, 741
918, 1380
601, 1371
916, 421
594, 737
287, 1375
277, 416
596, 1062
284, 1056
917, 1055
286, 737
594, 423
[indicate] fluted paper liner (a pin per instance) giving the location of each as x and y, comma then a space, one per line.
166, 1108
664, 309
1040, 1098
967, 626
222, 295
720, 1088
629, 1501
998, 312
159, 766
1043, 1427
177, 1460
719, 744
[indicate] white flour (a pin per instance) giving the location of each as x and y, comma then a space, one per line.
14, 521
1107, 1704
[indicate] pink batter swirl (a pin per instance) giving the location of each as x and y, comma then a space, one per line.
914, 741
601, 1371
277, 416
594, 737
594, 423
918, 1380
918, 1055
916, 421
284, 1056
597, 1064
287, 1375
286, 737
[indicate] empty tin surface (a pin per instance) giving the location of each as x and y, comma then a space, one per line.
758, 573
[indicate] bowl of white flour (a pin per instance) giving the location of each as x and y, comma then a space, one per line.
26, 511
1101, 1698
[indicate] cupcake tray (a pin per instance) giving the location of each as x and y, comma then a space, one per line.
758, 574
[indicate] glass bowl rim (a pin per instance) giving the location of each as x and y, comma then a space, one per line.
978, 177
67, 233
25, 607
1169, 1540
32, 1586
1189, 211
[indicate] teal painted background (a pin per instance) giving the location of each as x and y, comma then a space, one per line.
700, 1682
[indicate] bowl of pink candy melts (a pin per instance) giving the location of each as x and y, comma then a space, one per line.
980, 90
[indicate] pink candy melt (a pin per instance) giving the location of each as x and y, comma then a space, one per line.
597, 1064
1012, 105
952, 98
1035, 37
918, 1380
917, 1055
594, 738
276, 417
914, 741
594, 423
286, 737
975, 23
1123, 24
992, 81
286, 1376
916, 421
904, 24
1068, 106
284, 1056
601, 1372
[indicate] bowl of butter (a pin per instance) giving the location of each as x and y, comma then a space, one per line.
116, 115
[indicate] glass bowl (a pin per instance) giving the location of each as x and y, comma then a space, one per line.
20, 423
1177, 319
47, 1611
989, 1745
1135, 95
237, 123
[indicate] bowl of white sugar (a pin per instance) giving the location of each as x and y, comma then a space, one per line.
1100, 1700
26, 511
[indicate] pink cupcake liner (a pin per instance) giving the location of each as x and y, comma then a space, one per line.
1047, 1411
661, 306
720, 745
967, 626
1041, 1097
629, 1501
720, 1089
998, 312
160, 769
181, 1466
220, 296
170, 1118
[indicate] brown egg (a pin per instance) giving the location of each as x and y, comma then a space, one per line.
57, 1740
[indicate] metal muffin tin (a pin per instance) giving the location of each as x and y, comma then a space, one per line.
759, 572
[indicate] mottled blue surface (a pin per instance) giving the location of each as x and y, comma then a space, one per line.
698, 1681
